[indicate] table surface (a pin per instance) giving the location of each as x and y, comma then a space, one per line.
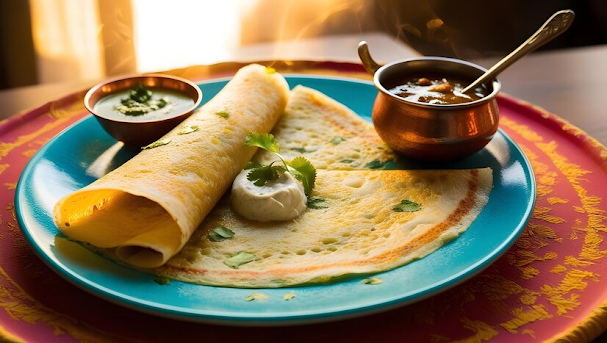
570, 83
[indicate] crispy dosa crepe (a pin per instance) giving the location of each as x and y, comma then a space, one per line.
354, 224
149, 207
359, 224
327, 133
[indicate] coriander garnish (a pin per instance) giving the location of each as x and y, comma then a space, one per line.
163, 281
372, 281
336, 140
302, 169
157, 143
140, 102
239, 259
256, 296
220, 233
261, 175
303, 149
316, 202
223, 114
251, 165
407, 206
375, 164
184, 130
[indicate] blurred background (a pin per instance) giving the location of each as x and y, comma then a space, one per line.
48, 41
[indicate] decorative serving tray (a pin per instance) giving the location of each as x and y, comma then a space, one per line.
548, 285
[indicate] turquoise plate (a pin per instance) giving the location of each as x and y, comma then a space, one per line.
83, 152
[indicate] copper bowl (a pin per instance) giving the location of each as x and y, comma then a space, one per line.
136, 134
432, 132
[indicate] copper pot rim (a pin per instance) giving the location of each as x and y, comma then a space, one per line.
496, 84
89, 103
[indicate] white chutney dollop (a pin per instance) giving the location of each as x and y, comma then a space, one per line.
277, 200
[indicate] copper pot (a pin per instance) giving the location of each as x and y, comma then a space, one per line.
434, 132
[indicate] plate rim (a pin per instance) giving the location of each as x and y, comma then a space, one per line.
268, 318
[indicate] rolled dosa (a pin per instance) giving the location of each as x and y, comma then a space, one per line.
149, 207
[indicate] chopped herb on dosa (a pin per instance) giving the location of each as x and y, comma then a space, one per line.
358, 230
149, 207
327, 133
357, 221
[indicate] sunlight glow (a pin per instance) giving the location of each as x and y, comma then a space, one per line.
180, 33
66, 40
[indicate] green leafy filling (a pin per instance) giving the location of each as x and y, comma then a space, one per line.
156, 144
407, 206
239, 259
220, 233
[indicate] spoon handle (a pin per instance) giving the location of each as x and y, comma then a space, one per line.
557, 24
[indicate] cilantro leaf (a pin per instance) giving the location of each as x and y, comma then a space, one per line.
163, 281
220, 233
407, 206
375, 164
256, 296
372, 281
304, 171
303, 149
184, 130
300, 150
251, 165
337, 139
239, 259
265, 141
260, 175
223, 114
316, 203
156, 144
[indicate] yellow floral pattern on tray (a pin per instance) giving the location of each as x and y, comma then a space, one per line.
547, 286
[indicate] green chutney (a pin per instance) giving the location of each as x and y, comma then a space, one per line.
140, 104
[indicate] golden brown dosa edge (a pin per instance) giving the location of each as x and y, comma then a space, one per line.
430, 240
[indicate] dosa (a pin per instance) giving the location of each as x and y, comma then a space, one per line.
353, 224
147, 209
359, 226
327, 133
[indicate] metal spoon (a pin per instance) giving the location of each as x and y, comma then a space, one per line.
557, 24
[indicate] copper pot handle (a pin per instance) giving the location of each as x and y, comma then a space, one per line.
365, 57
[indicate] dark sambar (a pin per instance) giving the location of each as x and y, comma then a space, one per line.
433, 88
